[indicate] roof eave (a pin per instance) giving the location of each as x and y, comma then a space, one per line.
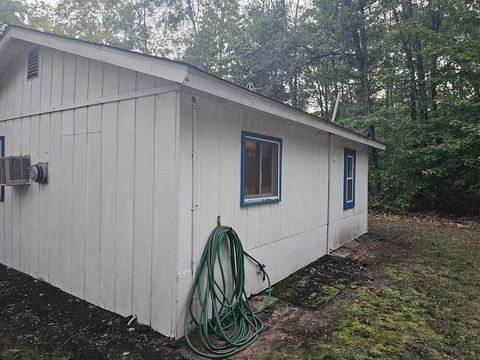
135, 61
218, 87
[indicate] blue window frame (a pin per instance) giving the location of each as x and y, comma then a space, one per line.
2, 154
350, 165
261, 169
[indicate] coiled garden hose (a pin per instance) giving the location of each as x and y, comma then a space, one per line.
226, 323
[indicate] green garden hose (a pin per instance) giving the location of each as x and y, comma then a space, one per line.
226, 323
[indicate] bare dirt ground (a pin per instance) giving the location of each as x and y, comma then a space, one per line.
408, 289
38, 321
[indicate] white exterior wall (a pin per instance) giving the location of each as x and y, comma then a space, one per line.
115, 224
104, 227
346, 225
286, 235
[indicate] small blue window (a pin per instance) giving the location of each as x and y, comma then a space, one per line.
349, 179
2, 154
261, 169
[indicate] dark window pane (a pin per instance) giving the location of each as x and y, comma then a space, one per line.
350, 167
267, 149
349, 189
252, 167
261, 168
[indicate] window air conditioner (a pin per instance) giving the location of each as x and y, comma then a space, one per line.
14, 170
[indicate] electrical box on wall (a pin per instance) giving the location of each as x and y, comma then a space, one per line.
15, 170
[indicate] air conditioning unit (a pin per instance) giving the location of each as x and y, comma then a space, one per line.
15, 170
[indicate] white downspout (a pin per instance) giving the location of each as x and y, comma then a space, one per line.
194, 204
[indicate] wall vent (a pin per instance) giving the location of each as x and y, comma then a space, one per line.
15, 170
32, 64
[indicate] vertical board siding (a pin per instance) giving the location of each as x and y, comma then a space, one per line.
66, 205
348, 224
45, 77
143, 220
24, 194
125, 195
68, 86
294, 230
125, 204
93, 220
240, 221
164, 220
8, 134
117, 209
109, 205
34, 199
104, 227
109, 189
79, 204
207, 122
16, 194
44, 202
55, 183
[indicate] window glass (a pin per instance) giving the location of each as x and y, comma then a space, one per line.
349, 179
349, 189
261, 168
252, 168
269, 168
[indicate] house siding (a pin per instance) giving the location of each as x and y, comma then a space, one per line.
286, 235
135, 186
103, 228
347, 224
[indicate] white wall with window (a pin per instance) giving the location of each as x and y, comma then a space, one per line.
348, 192
349, 161
266, 177
178, 148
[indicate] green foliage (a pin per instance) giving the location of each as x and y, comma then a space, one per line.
12, 12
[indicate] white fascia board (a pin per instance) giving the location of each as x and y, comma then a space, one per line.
138, 62
217, 87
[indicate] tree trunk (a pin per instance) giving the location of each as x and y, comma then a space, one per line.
360, 40
289, 63
407, 12
436, 21
325, 96
373, 160
422, 88
192, 16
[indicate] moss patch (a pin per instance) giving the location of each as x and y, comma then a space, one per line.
426, 306
319, 282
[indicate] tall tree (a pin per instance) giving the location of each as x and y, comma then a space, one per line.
12, 12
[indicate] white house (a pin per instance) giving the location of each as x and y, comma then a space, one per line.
143, 154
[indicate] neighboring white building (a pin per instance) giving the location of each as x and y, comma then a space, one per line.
144, 153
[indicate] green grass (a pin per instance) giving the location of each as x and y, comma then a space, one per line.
425, 304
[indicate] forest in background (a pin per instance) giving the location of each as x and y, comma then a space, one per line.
408, 72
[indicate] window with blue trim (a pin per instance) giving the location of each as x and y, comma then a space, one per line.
349, 179
2, 154
261, 169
